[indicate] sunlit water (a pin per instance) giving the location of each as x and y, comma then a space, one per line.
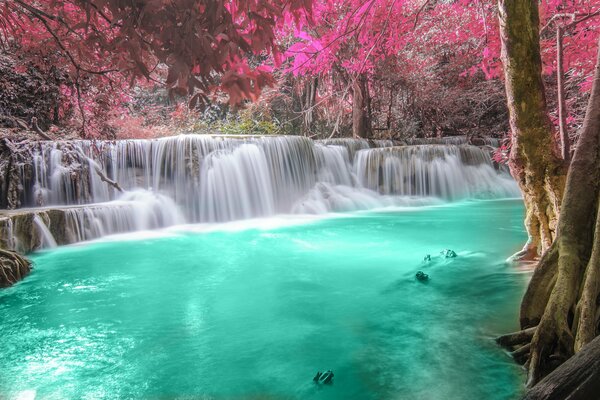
255, 313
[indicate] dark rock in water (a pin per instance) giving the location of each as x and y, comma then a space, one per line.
427, 258
449, 253
422, 276
324, 378
327, 377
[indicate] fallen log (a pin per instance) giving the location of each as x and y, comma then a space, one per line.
578, 378
106, 179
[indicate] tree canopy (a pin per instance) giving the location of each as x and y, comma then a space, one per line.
429, 62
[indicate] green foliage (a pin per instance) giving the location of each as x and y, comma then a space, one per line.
243, 123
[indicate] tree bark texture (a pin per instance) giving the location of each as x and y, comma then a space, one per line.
361, 121
534, 159
562, 299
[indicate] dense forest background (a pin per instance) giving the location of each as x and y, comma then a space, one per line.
379, 68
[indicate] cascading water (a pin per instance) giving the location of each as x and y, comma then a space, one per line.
201, 178
447, 172
454, 140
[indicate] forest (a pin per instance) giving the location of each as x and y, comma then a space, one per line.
292, 186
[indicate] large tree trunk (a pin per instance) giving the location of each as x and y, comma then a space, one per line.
534, 160
577, 379
361, 107
563, 295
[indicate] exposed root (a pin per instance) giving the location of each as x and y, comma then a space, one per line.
516, 338
586, 313
539, 289
528, 253
13, 267
521, 354
39, 130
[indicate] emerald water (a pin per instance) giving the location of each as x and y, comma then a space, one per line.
254, 311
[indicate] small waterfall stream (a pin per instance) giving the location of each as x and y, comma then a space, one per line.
201, 178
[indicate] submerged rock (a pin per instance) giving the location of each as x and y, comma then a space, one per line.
13, 268
324, 377
448, 253
427, 257
422, 276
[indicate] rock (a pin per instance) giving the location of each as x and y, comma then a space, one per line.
324, 378
13, 268
327, 377
421, 276
427, 258
317, 376
448, 253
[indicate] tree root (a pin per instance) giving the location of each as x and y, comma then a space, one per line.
528, 253
539, 289
586, 312
39, 130
521, 354
516, 338
13, 267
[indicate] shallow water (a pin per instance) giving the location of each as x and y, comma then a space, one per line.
254, 313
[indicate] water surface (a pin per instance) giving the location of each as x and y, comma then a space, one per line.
255, 313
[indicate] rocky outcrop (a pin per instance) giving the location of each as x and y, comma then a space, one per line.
16, 168
27, 230
13, 268
22, 231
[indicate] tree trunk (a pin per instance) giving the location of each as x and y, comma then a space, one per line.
565, 145
308, 102
577, 379
562, 297
534, 161
361, 121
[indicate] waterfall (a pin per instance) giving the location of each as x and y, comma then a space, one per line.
454, 140
202, 178
135, 211
30, 229
447, 172
46, 238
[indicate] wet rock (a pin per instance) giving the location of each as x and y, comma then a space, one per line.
449, 253
422, 276
323, 378
427, 258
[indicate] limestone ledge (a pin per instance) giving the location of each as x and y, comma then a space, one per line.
21, 232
